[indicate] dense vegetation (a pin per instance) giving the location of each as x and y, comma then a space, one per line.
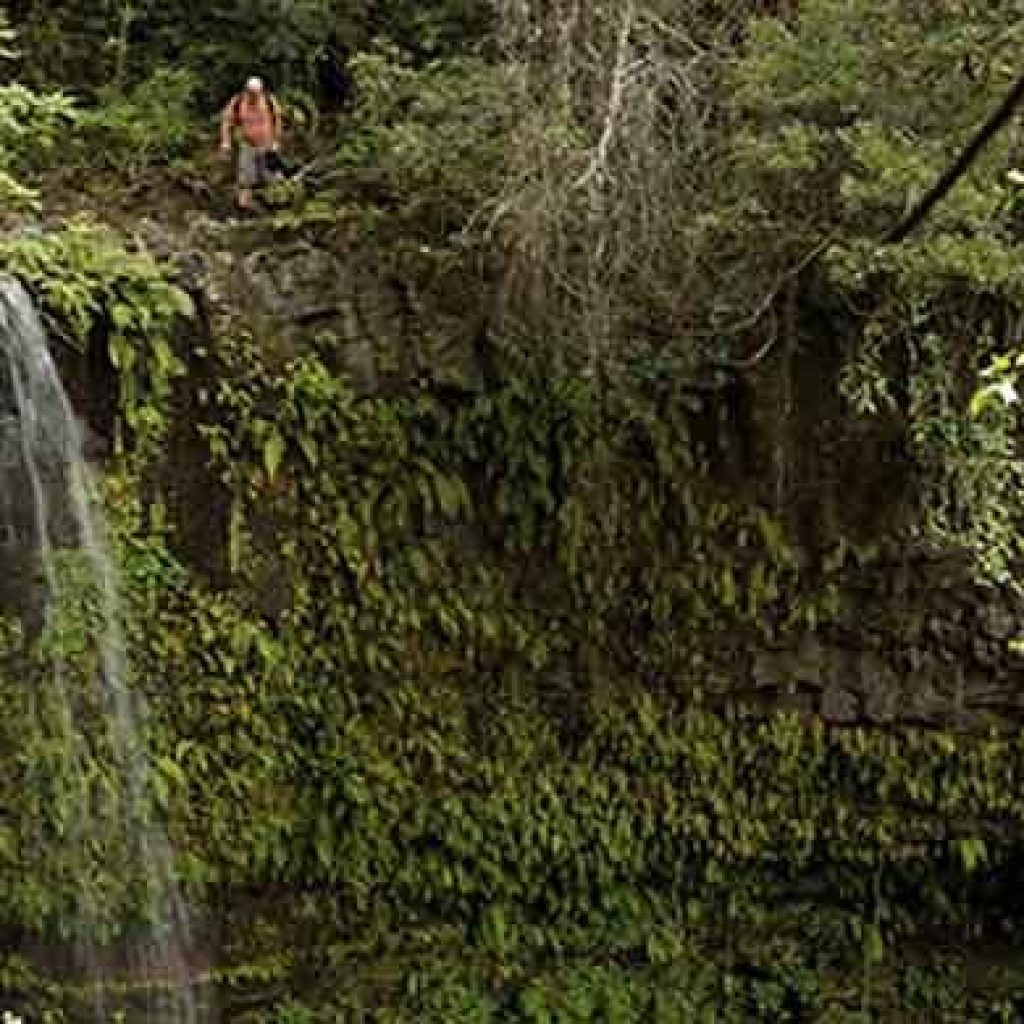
453, 622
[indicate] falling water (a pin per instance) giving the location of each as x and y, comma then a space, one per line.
130, 930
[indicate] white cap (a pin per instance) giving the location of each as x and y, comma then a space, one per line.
254, 84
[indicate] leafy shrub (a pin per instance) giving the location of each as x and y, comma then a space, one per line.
84, 279
435, 135
31, 126
148, 125
292, 1012
15, 197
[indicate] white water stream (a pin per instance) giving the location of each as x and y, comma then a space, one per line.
54, 516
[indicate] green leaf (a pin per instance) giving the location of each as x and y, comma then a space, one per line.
122, 315
273, 453
972, 853
874, 947
308, 446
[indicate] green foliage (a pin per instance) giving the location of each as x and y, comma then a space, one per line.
298, 40
73, 837
527, 441
389, 739
17, 198
433, 135
93, 290
291, 1012
32, 125
149, 125
295, 44
974, 477
289, 43
828, 116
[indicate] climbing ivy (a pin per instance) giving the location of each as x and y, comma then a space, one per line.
92, 290
381, 715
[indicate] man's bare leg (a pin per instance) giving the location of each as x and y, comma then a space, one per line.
244, 199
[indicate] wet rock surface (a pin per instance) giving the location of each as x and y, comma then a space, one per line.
922, 644
292, 294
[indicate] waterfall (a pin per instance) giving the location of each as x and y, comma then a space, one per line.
121, 922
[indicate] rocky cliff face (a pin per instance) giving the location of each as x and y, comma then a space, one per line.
918, 641
915, 638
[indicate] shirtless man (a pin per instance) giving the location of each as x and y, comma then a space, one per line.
254, 117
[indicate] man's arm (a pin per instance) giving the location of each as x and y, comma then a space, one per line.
275, 109
227, 124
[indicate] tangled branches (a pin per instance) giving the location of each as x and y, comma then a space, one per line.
617, 216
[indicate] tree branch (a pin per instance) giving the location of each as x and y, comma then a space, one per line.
960, 166
619, 77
